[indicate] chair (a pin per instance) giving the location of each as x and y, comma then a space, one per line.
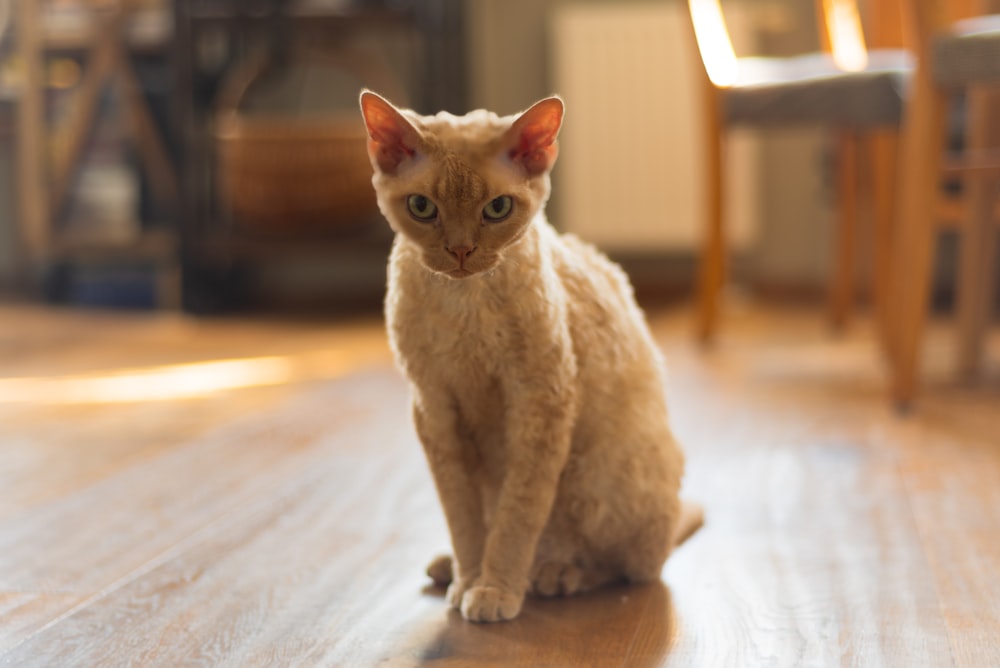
856, 91
953, 57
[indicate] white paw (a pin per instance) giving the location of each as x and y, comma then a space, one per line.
490, 604
456, 591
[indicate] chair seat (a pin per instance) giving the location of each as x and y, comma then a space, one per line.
970, 53
811, 89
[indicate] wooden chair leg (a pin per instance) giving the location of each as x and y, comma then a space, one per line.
32, 200
712, 269
883, 147
977, 265
842, 287
922, 156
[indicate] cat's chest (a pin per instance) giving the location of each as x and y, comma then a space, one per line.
461, 337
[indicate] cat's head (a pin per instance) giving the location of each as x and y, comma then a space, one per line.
463, 188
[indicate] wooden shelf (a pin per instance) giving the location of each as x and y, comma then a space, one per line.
217, 255
108, 36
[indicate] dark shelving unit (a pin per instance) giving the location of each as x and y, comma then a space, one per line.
216, 252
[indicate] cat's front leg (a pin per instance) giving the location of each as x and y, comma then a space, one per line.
461, 498
540, 422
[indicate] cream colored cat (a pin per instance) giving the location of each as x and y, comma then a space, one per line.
537, 389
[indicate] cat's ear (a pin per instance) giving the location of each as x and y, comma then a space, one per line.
391, 138
531, 140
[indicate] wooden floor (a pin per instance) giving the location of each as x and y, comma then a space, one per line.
251, 493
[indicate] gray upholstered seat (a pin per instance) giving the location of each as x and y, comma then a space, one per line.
810, 89
969, 53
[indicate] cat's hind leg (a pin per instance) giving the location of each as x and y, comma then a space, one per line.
554, 578
565, 565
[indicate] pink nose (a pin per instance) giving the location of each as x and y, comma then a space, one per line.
461, 252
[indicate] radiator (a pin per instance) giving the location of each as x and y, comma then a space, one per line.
630, 164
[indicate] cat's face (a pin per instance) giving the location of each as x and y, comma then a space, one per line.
462, 188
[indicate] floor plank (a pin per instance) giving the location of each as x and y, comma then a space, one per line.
27, 613
288, 523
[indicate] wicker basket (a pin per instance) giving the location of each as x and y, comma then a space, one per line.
286, 173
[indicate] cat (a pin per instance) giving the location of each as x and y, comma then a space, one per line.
537, 388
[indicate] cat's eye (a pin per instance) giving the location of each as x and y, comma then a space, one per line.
421, 208
498, 208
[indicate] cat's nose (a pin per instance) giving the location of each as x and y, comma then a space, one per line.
461, 252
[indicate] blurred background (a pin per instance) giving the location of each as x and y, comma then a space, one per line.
208, 155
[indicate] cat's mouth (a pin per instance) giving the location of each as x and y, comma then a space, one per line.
466, 269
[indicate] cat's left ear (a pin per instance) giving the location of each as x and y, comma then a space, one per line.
391, 138
532, 137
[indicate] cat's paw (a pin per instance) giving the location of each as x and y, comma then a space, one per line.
439, 571
556, 579
456, 591
490, 604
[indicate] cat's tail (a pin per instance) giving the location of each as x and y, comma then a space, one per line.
691, 519
440, 572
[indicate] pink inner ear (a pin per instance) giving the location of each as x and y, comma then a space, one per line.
391, 137
535, 136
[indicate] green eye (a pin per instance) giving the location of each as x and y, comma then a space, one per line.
499, 208
421, 208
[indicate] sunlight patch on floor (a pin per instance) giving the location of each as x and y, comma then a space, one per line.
182, 381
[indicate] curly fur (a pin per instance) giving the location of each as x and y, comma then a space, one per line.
537, 388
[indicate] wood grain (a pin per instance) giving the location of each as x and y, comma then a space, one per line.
26, 613
290, 524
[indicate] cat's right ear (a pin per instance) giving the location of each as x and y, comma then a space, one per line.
391, 138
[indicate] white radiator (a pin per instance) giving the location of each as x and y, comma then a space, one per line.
630, 164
